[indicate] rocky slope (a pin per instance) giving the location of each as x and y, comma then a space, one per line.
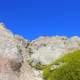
12, 57
44, 50
21, 59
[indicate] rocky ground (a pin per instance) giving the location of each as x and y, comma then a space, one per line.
21, 59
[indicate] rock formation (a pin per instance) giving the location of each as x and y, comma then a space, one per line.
44, 50
12, 57
20, 59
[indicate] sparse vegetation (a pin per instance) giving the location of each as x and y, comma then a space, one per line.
39, 66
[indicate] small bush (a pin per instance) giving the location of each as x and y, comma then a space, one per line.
39, 66
68, 68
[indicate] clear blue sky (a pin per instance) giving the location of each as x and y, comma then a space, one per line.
33, 18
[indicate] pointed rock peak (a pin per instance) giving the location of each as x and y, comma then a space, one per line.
2, 26
4, 32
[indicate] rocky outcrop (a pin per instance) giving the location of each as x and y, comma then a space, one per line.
13, 56
20, 57
45, 50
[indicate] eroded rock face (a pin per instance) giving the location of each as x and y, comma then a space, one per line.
8, 44
16, 53
6, 72
12, 56
45, 50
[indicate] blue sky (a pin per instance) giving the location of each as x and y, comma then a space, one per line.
33, 18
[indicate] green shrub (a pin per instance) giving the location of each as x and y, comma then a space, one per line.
67, 68
39, 66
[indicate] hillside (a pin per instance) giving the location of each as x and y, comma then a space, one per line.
21, 59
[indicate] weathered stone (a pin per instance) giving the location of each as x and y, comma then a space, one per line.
12, 57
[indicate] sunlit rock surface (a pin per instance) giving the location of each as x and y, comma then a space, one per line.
44, 50
12, 57
18, 56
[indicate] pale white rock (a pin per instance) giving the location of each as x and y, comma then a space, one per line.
8, 44
18, 51
13, 54
47, 49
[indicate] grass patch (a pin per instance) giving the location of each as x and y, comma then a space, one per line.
67, 68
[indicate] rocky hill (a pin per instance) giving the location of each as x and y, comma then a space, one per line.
12, 57
21, 59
